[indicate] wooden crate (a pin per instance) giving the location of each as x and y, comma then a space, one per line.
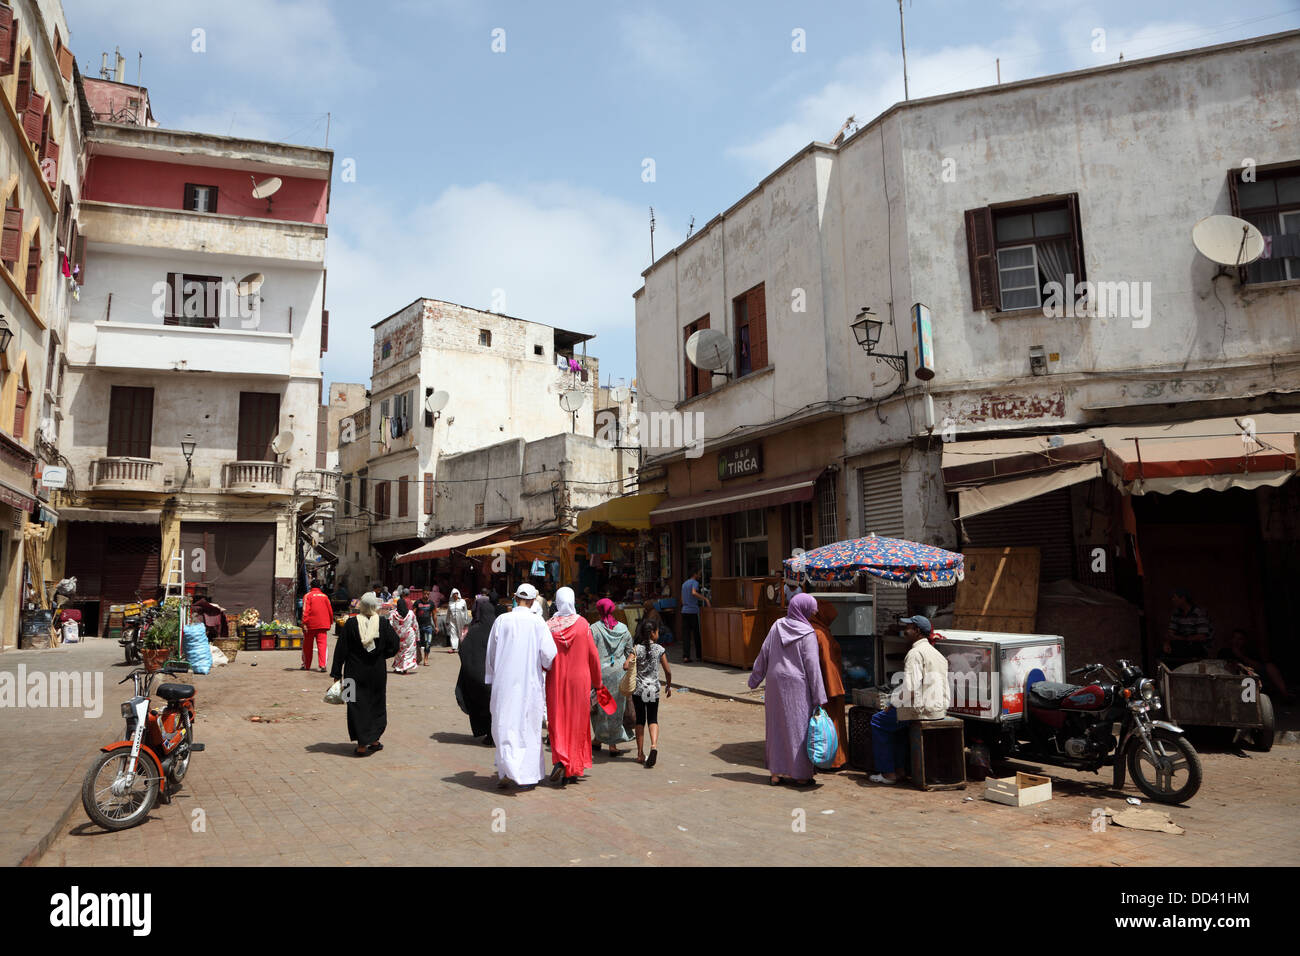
999, 591
938, 753
1022, 790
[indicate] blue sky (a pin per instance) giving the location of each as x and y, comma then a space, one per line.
521, 171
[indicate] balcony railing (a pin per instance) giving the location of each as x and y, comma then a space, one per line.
252, 476
318, 483
126, 474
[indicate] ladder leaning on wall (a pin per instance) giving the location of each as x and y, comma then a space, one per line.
174, 585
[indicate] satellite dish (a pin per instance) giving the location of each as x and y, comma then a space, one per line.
573, 399
436, 402
709, 349
282, 442
1227, 240
251, 284
620, 394
267, 188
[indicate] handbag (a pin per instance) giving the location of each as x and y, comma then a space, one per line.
335, 694
628, 684
823, 741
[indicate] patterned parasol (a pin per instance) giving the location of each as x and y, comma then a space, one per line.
891, 560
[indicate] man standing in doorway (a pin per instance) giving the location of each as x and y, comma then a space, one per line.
317, 619
1190, 631
691, 598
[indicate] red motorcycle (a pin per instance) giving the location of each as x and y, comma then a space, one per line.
149, 764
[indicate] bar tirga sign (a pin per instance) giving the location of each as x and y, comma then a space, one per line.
740, 461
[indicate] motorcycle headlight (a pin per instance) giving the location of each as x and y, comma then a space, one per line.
128, 709
1147, 688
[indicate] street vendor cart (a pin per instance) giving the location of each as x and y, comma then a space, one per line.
1218, 694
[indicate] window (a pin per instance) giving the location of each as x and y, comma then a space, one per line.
749, 543
401, 413
200, 198
347, 496
697, 548
478, 513
49, 154
11, 239
33, 284
485, 337
193, 301
403, 498
259, 421
539, 350
1014, 251
8, 39
21, 400
386, 349
130, 422
828, 523
361, 493
383, 503
1272, 204
428, 493
698, 380
750, 312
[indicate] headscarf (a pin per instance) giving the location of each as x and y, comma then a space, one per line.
605, 608
368, 620
565, 612
455, 596
797, 622
484, 610
401, 607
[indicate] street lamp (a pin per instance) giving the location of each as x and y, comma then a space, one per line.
187, 448
6, 336
867, 330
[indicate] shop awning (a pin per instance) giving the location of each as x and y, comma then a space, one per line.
523, 549
758, 494
443, 546
998, 494
20, 499
147, 516
975, 462
629, 513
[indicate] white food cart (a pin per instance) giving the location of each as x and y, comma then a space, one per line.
987, 670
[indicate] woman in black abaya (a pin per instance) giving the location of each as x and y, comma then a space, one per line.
472, 694
368, 640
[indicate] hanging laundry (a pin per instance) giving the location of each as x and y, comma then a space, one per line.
539, 569
64, 267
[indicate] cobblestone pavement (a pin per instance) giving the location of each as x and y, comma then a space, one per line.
286, 790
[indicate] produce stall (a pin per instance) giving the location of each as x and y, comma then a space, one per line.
258, 635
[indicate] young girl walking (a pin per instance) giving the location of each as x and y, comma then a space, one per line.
647, 657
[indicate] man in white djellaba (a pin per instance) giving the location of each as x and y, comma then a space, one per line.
520, 650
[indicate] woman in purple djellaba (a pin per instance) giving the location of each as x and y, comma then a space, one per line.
788, 662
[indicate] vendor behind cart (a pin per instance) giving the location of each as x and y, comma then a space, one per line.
1190, 632
925, 694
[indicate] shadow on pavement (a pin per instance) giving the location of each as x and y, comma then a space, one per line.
337, 749
749, 754
487, 784
88, 829
446, 737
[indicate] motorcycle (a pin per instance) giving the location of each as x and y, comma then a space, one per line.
1072, 725
151, 760
134, 627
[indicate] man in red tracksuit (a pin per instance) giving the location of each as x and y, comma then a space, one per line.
317, 619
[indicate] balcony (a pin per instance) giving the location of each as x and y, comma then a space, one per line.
318, 483
156, 347
253, 477
126, 474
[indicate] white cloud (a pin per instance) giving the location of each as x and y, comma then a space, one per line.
561, 255
659, 44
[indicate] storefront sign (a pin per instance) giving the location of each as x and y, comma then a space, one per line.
54, 476
923, 342
740, 461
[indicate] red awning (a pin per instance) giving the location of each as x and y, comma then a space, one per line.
443, 546
759, 494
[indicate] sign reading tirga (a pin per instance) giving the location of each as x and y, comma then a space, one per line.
740, 461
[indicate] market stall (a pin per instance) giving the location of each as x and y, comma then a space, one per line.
737, 618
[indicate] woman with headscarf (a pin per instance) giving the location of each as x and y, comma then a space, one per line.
613, 648
832, 663
788, 662
569, 683
458, 617
473, 695
407, 628
367, 641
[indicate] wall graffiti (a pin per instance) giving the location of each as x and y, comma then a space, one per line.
985, 408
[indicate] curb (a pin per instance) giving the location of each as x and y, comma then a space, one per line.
37, 853
718, 695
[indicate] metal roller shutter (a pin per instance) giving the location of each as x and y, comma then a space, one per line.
131, 564
882, 515
1044, 521
237, 562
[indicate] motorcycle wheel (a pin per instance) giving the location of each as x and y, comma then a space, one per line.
114, 812
1178, 782
1264, 736
181, 762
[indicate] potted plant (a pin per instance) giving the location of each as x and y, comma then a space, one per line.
160, 639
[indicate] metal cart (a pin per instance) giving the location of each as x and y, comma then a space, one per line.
1219, 700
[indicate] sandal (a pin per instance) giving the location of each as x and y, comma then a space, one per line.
650, 761
361, 752
774, 781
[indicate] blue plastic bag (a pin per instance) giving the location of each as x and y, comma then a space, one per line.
823, 741
194, 640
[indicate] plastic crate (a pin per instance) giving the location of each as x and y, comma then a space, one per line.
267, 642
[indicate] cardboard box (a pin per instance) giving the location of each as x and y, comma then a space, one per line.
1022, 790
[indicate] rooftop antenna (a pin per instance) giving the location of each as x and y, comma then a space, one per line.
690, 228
119, 73
902, 39
104, 72
652, 235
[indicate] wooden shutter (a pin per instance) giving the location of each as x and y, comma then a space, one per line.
191, 201
698, 380
1234, 177
322, 434
757, 310
34, 117
212, 199
403, 501
24, 90
981, 253
6, 39
80, 258
361, 493
12, 238
33, 270
65, 62
259, 419
171, 312
52, 171
130, 422
324, 331
1076, 226
428, 493
21, 398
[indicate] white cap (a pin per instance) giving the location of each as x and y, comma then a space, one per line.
526, 592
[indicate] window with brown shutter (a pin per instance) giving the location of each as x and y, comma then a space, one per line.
361, 492
698, 380
130, 422
750, 310
34, 117
1270, 202
65, 62
8, 31
200, 198
1014, 251
23, 92
11, 240
383, 503
21, 398
428, 493
347, 496
33, 268
478, 513
193, 301
259, 421
403, 502
324, 331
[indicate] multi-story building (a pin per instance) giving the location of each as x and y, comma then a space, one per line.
505, 378
990, 207
194, 362
42, 161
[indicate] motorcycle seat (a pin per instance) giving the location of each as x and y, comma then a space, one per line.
1052, 691
174, 692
